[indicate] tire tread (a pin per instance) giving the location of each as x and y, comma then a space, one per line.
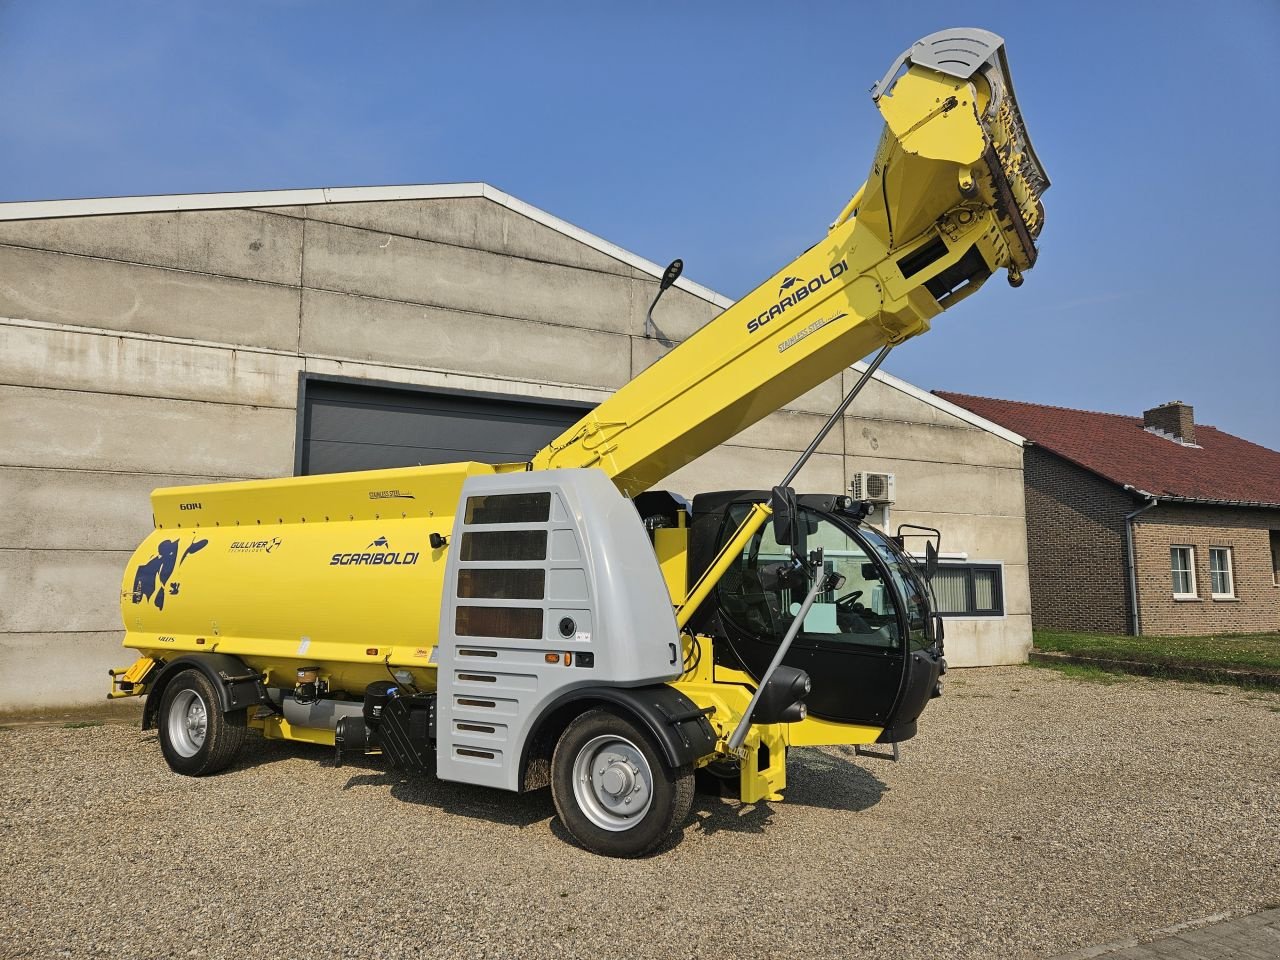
225, 734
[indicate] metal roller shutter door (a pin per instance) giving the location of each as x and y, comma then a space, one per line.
358, 425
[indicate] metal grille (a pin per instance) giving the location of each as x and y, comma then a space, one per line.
522, 584
504, 545
513, 623
509, 508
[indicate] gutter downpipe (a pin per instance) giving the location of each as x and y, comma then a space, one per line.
1135, 617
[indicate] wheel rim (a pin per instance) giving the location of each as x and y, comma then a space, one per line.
612, 783
188, 723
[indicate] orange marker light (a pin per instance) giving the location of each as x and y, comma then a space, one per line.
568, 659
552, 658
371, 652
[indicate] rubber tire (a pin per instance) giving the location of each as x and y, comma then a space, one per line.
672, 788
224, 735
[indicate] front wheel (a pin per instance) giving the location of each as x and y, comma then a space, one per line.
196, 737
613, 790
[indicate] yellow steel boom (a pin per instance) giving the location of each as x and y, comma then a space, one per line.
953, 195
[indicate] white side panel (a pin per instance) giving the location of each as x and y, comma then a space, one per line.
556, 563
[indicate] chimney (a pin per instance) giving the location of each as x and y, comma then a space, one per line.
1175, 419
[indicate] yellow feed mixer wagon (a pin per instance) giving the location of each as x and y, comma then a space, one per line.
563, 622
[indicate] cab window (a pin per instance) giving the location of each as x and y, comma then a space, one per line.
910, 586
762, 595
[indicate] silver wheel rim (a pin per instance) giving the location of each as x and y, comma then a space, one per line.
612, 783
188, 723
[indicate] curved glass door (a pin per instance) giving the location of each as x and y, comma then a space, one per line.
852, 641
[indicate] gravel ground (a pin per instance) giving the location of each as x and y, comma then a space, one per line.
1034, 814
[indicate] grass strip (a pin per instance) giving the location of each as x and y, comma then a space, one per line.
1251, 651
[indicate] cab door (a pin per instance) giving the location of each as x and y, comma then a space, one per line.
853, 643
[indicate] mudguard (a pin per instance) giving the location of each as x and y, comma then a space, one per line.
238, 686
678, 724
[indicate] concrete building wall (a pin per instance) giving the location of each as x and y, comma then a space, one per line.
1077, 556
148, 349
1255, 604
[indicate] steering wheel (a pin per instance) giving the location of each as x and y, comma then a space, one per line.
849, 598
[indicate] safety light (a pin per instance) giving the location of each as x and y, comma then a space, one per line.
782, 699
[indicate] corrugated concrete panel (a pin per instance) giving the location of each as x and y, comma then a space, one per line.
823, 399
469, 222
927, 442
789, 430
373, 264
679, 314
93, 431
140, 366
730, 467
978, 536
949, 488
645, 352
69, 590
1017, 589
452, 381
230, 243
62, 288
986, 643
50, 509
881, 401
39, 670
365, 328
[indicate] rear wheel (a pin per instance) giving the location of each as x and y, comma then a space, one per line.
196, 737
613, 789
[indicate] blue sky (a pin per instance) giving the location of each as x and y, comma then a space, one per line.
729, 135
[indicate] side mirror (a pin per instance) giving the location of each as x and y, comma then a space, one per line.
786, 519
930, 560
672, 274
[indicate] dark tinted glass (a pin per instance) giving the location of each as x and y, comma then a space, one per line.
518, 623
504, 545
509, 508
523, 584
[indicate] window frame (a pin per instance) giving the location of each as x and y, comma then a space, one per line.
1230, 572
970, 567
1273, 541
1191, 572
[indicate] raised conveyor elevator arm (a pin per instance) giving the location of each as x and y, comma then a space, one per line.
952, 196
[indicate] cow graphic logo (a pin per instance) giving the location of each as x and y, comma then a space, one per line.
153, 580
788, 283
380, 542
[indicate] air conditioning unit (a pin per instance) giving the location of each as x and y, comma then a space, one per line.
872, 487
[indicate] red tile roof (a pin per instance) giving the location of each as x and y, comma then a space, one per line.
1221, 467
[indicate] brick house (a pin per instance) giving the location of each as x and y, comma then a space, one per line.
1151, 524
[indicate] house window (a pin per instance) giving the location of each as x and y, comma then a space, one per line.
1182, 561
1221, 582
1275, 557
969, 590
